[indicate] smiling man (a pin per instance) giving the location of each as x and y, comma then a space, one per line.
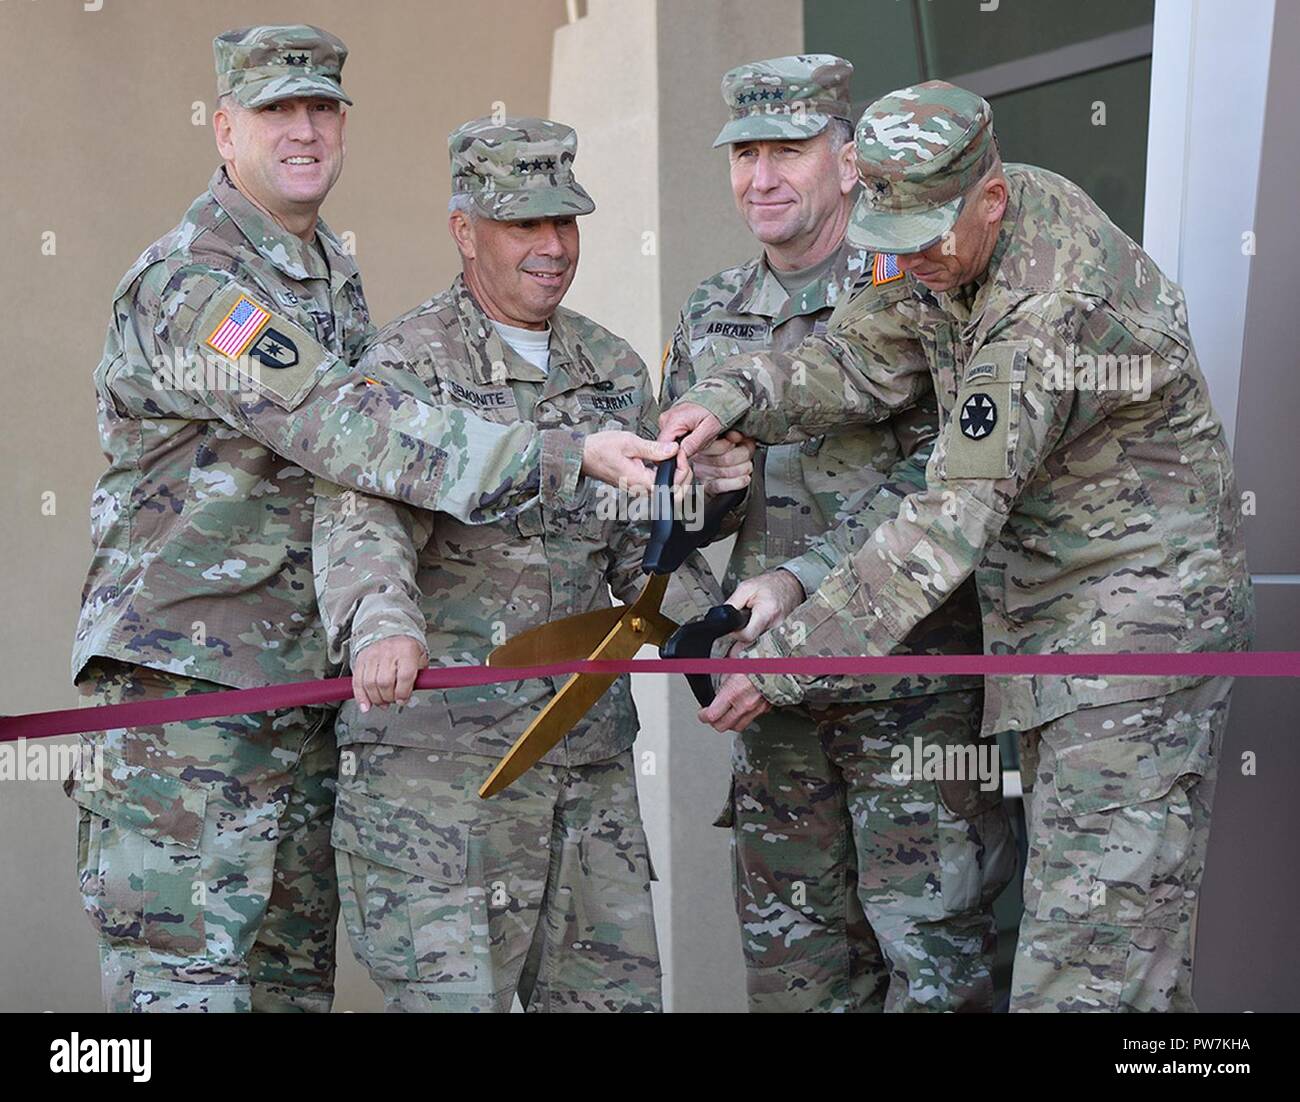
204, 857
856, 888
453, 902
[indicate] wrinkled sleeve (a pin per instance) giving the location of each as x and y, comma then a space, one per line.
365, 552
913, 562
865, 368
376, 426
916, 431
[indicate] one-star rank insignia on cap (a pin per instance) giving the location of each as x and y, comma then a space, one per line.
239, 328
979, 413
885, 269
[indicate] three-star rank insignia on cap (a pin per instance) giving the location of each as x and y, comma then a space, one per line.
979, 413
885, 269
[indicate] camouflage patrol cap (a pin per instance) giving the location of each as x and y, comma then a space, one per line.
517, 169
786, 97
920, 151
259, 65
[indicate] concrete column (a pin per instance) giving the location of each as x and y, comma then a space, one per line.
639, 79
1222, 161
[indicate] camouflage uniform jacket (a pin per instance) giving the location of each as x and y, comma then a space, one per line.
801, 490
384, 569
202, 523
1094, 520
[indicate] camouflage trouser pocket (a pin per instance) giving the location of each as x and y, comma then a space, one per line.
139, 862
410, 910
1117, 833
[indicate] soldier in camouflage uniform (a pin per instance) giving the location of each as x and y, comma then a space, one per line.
1083, 477
226, 383
452, 902
857, 889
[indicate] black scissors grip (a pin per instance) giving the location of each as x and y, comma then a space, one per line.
695, 639
670, 540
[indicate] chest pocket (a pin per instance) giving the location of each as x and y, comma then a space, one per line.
610, 406
984, 422
727, 339
493, 402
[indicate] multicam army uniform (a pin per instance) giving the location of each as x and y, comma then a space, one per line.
453, 902
822, 828
1094, 519
201, 575
816, 803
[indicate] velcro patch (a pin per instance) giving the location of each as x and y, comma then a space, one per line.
278, 358
984, 426
496, 398
885, 269
609, 403
238, 327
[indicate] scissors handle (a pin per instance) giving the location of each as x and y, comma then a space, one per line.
670, 540
695, 639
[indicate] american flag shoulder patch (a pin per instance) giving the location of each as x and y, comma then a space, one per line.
238, 327
885, 269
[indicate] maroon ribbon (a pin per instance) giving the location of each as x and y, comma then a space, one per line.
299, 694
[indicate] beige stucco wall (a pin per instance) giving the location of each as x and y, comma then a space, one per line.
97, 146
665, 219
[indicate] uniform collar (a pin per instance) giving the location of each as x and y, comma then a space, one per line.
484, 346
761, 293
286, 251
969, 304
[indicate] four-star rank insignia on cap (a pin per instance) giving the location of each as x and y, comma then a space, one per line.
979, 413
885, 269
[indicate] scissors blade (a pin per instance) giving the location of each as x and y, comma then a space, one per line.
579, 693
570, 638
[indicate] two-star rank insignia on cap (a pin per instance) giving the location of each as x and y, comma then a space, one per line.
979, 413
885, 269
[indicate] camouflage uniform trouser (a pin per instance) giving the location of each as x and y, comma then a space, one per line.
204, 856
1119, 820
455, 903
858, 889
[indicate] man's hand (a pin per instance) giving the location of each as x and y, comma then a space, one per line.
770, 598
736, 706
620, 458
695, 423
384, 673
726, 464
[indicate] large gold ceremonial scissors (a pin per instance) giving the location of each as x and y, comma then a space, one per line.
622, 630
